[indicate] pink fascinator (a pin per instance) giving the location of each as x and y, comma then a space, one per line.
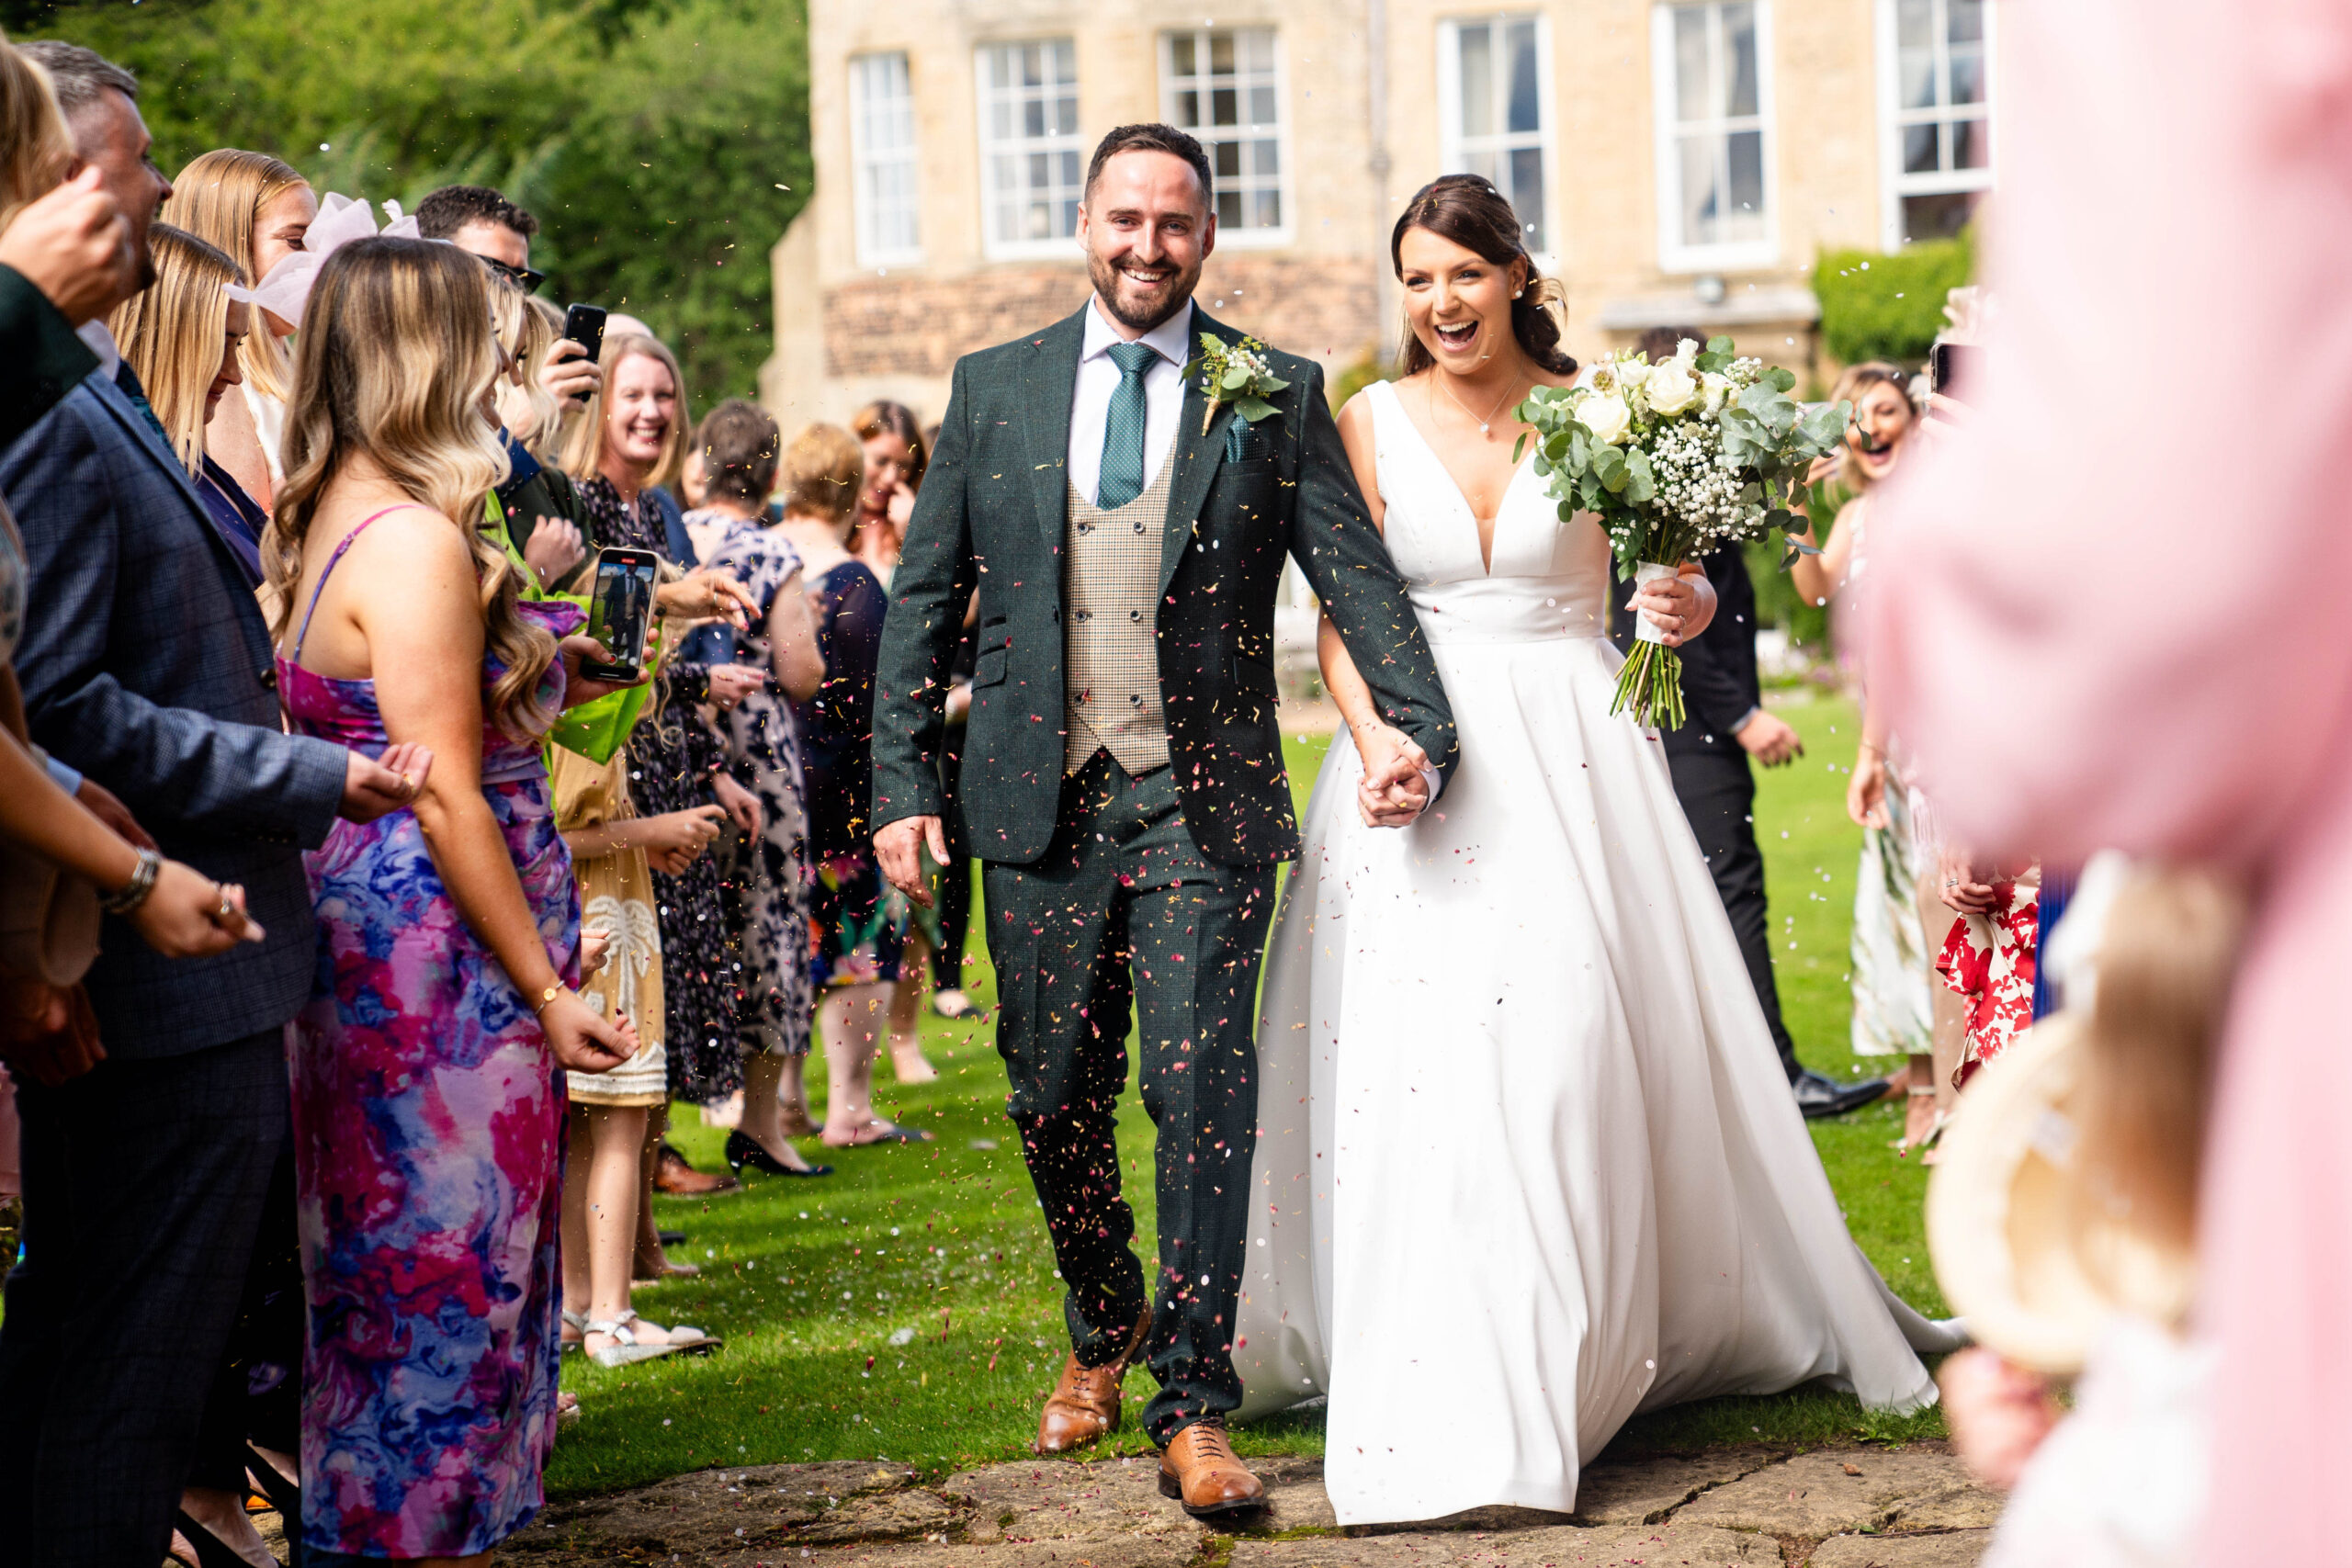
287, 288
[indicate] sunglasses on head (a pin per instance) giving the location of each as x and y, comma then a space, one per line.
522, 276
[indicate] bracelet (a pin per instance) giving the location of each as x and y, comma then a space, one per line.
134, 892
547, 999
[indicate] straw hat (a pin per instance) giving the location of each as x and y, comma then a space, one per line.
2003, 1223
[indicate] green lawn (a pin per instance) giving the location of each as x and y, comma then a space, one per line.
906, 1307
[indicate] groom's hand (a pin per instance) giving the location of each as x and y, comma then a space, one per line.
900, 845
1395, 787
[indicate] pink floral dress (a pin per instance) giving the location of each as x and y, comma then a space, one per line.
1990, 961
428, 1122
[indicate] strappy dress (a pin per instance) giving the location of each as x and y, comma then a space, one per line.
428, 1121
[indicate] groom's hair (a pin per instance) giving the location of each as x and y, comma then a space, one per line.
1153, 139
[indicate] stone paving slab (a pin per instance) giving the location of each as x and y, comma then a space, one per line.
1959, 1549
1643, 1491
1837, 1492
1658, 1546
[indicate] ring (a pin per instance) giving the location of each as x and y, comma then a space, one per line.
228, 910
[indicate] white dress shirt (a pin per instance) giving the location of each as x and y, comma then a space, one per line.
1098, 377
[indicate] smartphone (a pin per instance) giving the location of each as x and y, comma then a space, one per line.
620, 613
584, 324
1953, 366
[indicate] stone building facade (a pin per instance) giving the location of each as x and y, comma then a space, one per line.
1677, 162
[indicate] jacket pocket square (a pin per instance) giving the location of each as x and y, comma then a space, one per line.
1244, 441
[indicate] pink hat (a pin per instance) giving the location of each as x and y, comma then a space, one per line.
340, 219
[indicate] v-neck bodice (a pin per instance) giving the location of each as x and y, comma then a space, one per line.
1550, 579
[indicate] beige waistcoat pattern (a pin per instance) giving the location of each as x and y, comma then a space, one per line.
1110, 624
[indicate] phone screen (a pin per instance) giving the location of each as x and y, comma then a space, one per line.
1953, 368
620, 613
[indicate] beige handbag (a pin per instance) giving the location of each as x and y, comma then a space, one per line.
49, 919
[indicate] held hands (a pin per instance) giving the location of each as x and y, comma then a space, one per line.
555, 548
371, 788
673, 840
707, 596
1393, 790
73, 246
740, 804
731, 684
580, 1040
1866, 790
579, 688
1769, 739
899, 847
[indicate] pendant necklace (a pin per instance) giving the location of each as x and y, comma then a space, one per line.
1485, 423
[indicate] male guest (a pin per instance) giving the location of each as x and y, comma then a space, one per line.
1708, 759
146, 665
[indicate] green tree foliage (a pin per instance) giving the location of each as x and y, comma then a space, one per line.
1888, 307
663, 147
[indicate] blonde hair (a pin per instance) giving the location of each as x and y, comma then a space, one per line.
583, 448
172, 333
2167, 961
218, 198
821, 473
523, 333
1852, 382
34, 147
394, 360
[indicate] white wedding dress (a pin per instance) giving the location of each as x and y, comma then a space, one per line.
1527, 1161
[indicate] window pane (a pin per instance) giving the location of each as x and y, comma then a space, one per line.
1224, 108
1064, 62
1965, 19
1180, 54
1701, 207
1478, 79
1229, 209
1221, 53
1915, 79
1031, 67
1266, 159
1746, 213
1188, 108
1262, 104
1914, 24
1969, 145
1967, 77
1225, 157
1525, 114
1919, 150
1526, 195
1069, 169
1270, 209
1936, 217
1488, 166
1739, 52
1692, 100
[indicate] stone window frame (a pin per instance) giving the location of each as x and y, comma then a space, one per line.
1068, 149
870, 163
1676, 253
1896, 123
1458, 151
1274, 78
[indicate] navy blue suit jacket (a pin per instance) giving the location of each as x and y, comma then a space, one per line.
145, 663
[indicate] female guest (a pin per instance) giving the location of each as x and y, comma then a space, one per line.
896, 457
857, 942
766, 874
183, 336
256, 210
631, 438
1898, 1006
426, 1108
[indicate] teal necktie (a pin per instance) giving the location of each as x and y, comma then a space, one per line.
1123, 428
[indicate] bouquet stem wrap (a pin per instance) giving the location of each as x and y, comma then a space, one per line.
1651, 682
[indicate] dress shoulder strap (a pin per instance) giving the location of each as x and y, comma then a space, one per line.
334, 560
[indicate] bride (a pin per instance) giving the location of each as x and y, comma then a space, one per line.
1528, 1162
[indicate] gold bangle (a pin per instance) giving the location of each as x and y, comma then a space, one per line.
547, 999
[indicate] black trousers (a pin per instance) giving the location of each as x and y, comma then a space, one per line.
1123, 919
145, 1188
1717, 790
955, 877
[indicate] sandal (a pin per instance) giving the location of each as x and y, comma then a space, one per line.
578, 1321
567, 1407
284, 1495
884, 1132
628, 1351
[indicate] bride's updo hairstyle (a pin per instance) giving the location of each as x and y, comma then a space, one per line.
396, 362
1472, 213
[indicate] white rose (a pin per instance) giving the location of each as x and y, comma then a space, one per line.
1633, 372
1717, 387
1607, 417
1671, 389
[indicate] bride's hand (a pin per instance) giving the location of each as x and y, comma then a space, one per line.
1674, 605
1394, 791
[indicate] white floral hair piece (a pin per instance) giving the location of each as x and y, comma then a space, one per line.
340, 219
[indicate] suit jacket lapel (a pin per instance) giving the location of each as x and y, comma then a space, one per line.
1049, 386
1197, 454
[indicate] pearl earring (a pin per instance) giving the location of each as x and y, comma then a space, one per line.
1517, 292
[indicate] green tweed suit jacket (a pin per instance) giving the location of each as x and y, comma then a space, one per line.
991, 517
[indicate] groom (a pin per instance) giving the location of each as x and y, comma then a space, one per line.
1122, 770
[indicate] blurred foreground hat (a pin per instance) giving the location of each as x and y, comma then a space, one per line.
2034, 1265
340, 219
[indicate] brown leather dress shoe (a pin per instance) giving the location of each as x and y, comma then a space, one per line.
1197, 1469
1084, 1405
674, 1178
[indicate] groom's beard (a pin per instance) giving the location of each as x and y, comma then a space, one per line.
1134, 309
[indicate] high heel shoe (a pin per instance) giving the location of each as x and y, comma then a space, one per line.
743, 1150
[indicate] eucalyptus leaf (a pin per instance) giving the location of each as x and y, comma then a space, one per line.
1235, 378
1782, 377
1253, 409
1722, 345
1273, 384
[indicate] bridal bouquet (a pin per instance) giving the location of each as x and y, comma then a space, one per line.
1677, 459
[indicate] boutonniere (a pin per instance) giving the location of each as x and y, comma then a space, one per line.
1237, 374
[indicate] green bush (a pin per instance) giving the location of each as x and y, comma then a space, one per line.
1888, 307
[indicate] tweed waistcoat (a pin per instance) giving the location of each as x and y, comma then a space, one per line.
1109, 629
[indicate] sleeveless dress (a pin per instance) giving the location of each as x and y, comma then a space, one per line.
1527, 1161
428, 1121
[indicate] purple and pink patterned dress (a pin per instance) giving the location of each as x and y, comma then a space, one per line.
428, 1120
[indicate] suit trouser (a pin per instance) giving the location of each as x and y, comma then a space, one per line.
1123, 913
1717, 790
145, 1182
